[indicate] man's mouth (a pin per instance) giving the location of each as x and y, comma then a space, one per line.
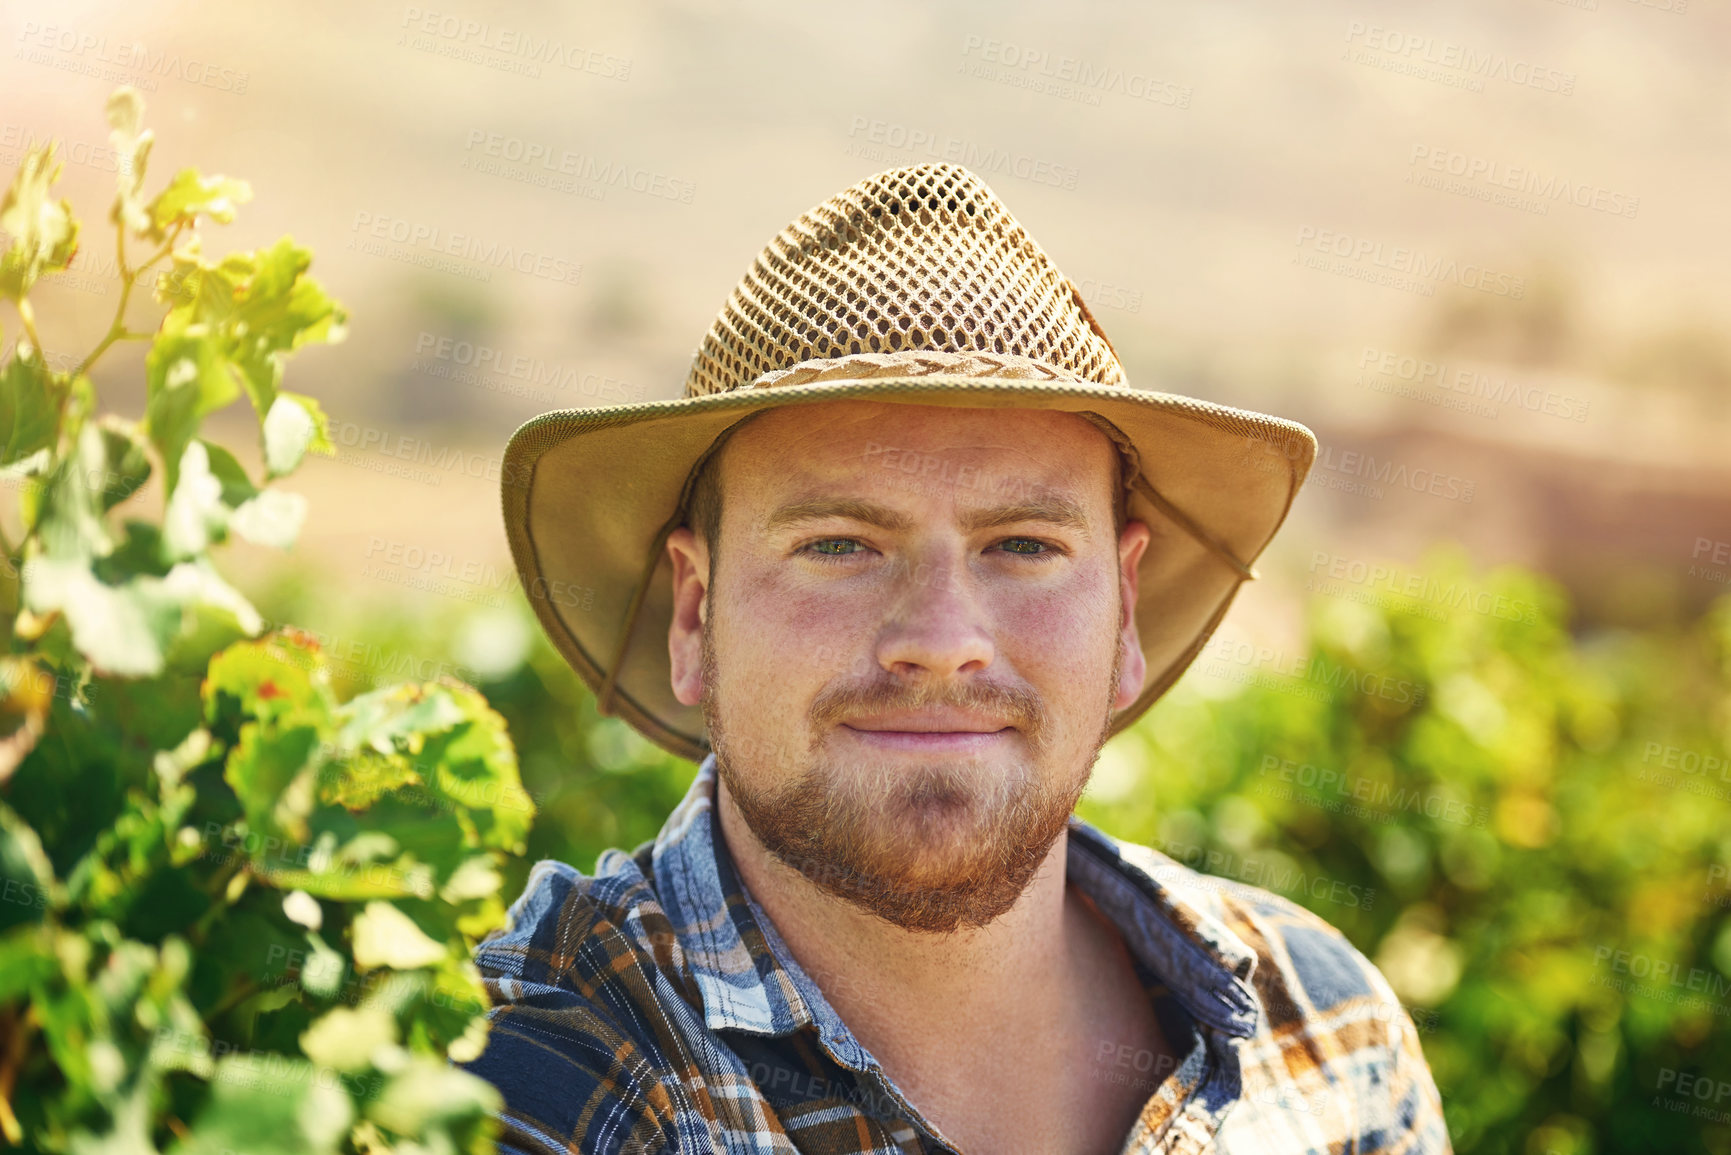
930, 731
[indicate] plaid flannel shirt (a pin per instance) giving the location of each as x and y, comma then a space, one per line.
653, 1009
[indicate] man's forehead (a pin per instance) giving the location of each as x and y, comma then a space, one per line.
839, 438
893, 466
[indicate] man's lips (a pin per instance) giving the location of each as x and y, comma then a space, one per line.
930, 731
929, 722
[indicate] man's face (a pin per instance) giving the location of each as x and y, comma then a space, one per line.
915, 639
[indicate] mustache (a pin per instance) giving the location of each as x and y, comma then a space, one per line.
1018, 706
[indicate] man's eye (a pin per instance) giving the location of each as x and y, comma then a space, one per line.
1028, 547
834, 547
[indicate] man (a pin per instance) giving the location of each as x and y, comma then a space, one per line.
905, 555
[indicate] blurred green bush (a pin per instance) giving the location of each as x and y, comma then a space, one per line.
1529, 830
237, 910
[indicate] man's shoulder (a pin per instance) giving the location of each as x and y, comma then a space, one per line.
1306, 949
561, 907
578, 979
1333, 1042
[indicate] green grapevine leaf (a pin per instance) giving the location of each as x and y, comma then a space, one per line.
44, 232
272, 518
346, 1040
30, 401
266, 1104
186, 378
427, 1096
125, 628
321, 439
131, 143
125, 452
196, 516
280, 309
280, 680
190, 195
262, 769
69, 516
383, 936
289, 430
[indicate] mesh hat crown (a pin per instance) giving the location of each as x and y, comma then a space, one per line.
915, 286
921, 259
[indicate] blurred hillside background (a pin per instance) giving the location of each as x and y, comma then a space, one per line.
1479, 248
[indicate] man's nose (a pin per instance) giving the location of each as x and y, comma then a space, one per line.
935, 623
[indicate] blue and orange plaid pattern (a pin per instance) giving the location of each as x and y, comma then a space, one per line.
652, 1009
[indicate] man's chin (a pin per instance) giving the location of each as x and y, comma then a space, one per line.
928, 862
931, 897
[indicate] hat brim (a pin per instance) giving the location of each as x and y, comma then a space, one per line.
587, 493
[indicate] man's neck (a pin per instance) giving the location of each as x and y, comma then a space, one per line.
995, 1032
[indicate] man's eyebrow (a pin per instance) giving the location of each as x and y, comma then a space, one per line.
852, 509
1054, 509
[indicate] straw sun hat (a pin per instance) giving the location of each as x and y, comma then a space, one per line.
915, 286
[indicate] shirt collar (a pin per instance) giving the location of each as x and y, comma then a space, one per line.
750, 982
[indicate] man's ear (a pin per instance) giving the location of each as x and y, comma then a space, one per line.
1131, 546
690, 557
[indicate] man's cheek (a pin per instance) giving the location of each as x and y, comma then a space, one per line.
782, 618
